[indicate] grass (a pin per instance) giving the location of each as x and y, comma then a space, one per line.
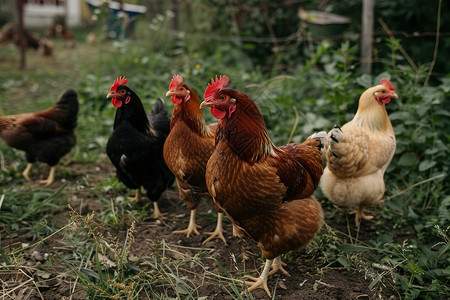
409, 252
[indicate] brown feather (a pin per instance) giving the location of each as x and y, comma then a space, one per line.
265, 190
188, 148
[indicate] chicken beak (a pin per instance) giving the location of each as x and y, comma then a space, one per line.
394, 95
206, 104
111, 95
170, 93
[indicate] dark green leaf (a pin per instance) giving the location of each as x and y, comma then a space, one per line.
426, 164
408, 159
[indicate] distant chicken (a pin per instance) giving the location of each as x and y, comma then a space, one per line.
359, 153
265, 190
135, 146
59, 29
45, 136
9, 33
187, 150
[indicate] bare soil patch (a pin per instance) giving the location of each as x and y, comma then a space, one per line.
309, 278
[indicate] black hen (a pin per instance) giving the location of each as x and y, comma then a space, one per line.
136, 144
45, 136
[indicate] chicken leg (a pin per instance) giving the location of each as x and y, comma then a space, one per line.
218, 232
26, 172
156, 212
261, 281
359, 214
192, 227
137, 197
50, 178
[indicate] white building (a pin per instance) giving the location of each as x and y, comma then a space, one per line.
41, 13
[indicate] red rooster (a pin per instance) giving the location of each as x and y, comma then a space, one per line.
45, 136
265, 190
187, 150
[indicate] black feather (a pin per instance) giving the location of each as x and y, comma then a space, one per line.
136, 152
159, 118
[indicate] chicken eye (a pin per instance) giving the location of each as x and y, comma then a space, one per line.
222, 98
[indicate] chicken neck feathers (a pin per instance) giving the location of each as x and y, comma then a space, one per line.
246, 132
190, 113
188, 148
134, 114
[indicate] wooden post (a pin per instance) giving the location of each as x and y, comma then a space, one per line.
176, 11
21, 35
367, 35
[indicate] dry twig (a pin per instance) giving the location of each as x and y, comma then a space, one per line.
414, 185
402, 50
436, 44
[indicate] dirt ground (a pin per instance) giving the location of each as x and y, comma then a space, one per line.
308, 279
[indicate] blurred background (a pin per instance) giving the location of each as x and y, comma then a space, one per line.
273, 35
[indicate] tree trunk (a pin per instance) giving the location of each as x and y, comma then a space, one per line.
21, 35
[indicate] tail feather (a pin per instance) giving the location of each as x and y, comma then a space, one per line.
322, 137
159, 118
65, 111
69, 104
336, 134
159, 108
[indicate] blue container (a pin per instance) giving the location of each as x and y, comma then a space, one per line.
115, 19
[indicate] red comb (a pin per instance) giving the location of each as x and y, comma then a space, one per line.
215, 86
176, 80
387, 84
119, 81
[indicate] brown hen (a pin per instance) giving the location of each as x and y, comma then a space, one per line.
45, 136
187, 150
265, 190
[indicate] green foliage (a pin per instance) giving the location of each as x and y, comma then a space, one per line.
21, 208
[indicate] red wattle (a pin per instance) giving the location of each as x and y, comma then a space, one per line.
116, 103
218, 113
176, 100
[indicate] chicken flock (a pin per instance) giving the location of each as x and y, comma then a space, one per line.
265, 190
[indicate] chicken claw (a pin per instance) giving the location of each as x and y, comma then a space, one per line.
137, 197
261, 281
50, 178
157, 214
192, 227
278, 265
359, 214
218, 232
